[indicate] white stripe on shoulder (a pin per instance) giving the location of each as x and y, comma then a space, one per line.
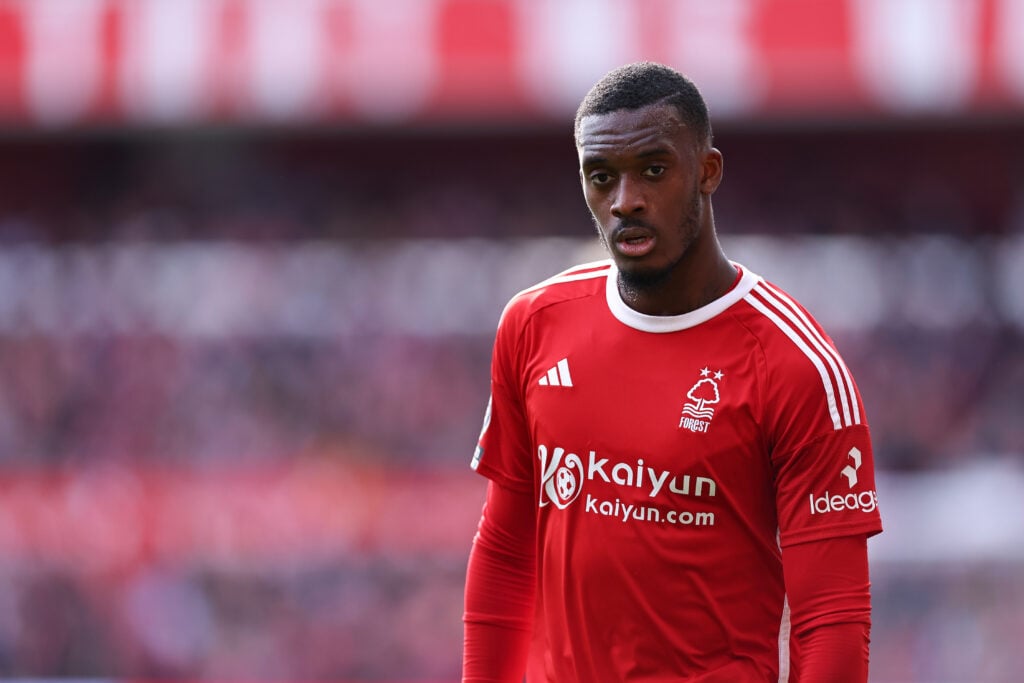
584, 271
788, 330
796, 317
831, 354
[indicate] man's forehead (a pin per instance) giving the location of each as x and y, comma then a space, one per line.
630, 126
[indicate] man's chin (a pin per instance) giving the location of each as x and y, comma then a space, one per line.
638, 277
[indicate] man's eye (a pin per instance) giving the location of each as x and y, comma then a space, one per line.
599, 178
654, 171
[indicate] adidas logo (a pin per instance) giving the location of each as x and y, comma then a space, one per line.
557, 376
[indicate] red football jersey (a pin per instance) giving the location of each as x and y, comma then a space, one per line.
672, 459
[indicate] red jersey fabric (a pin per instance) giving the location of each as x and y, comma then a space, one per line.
671, 458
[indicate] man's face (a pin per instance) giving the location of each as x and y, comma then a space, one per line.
642, 178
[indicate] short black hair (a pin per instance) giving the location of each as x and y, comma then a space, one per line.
640, 84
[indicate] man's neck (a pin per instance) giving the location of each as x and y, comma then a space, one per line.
702, 276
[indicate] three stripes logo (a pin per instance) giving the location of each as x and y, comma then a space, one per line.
558, 376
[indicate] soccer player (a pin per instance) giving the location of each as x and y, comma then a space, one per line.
680, 471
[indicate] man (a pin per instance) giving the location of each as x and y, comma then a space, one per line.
681, 479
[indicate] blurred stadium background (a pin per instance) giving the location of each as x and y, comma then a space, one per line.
252, 253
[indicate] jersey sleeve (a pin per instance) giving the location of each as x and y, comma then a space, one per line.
503, 450
818, 438
826, 488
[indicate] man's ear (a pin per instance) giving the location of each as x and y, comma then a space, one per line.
712, 166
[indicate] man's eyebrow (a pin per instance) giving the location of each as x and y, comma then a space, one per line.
654, 152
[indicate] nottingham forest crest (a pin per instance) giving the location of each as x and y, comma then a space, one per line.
701, 399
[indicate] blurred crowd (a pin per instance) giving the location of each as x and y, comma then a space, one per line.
934, 399
353, 621
208, 387
242, 296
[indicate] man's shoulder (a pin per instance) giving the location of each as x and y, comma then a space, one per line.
583, 280
797, 352
773, 314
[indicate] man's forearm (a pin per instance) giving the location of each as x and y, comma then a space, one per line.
500, 587
829, 595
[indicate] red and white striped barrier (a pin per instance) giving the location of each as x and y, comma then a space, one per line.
76, 62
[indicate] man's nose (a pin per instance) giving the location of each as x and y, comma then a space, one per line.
629, 198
